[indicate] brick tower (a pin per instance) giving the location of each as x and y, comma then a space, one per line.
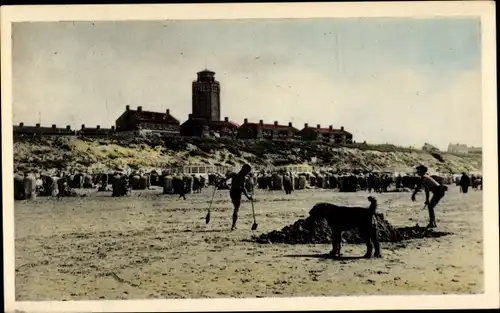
206, 97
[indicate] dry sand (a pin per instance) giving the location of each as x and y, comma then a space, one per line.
154, 246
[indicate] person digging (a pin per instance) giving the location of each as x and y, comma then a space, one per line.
237, 190
429, 184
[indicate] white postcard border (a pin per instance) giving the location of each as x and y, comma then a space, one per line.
482, 9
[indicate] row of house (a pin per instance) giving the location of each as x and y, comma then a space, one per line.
250, 130
23, 130
454, 148
141, 122
463, 149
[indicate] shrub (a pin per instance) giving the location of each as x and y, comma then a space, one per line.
113, 156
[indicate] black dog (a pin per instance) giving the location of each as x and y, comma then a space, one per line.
341, 218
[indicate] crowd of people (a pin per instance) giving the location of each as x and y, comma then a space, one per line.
31, 184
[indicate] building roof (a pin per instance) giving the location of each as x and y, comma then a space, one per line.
194, 120
328, 130
270, 126
96, 130
225, 123
152, 116
205, 71
41, 129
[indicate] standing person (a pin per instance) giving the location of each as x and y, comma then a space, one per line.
429, 184
398, 182
464, 183
179, 186
287, 183
472, 180
183, 190
370, 181
237, 189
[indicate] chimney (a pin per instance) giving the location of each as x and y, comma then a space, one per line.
98, 127
127, 108
68, 127
341, 127
318, 126
245, 121
168, 111
290, 124
21, 124
261, 122
190, 116
112, 128
37, 125
54, 126
330, 127
83, 126
306, 125
226, 119
275, 123
139, 109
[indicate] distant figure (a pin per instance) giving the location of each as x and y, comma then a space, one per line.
250, 183
30, 185
54, 188
287, 184
117, 184
464, 183
370, 181
103, 184
183, 191
196, 184
429, 184
476, 182
398, 181
63, 188
237, 189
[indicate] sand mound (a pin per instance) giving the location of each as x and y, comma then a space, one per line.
320, 233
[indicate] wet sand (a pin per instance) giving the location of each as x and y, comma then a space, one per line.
155, 246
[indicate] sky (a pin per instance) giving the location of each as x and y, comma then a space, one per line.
386, 80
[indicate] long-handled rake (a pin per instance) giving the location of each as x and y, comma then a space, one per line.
254, 225
207, 218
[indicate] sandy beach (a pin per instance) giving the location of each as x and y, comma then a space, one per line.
154, 246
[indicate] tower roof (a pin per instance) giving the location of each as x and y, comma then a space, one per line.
205, 71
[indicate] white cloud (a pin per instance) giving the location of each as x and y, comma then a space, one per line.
398, 106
